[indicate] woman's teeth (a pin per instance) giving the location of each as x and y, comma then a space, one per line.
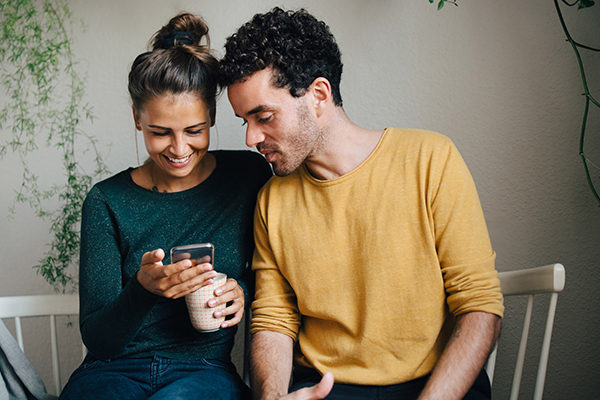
179, 160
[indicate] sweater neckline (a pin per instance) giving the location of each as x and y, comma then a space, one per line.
330, 182
184, 193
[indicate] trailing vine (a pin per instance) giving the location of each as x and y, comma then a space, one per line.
589, 99
44, 107
442, 2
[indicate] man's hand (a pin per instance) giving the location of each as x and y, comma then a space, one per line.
319, 391
271, 368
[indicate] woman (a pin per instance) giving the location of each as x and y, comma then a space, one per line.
134, 320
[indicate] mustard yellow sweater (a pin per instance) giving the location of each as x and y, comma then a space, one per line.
366, 270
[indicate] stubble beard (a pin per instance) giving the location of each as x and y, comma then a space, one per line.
306, 140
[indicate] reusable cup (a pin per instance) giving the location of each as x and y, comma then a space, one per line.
201, 314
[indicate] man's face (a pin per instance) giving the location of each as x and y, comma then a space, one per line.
281, 126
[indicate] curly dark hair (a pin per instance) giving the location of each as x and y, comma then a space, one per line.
295, 44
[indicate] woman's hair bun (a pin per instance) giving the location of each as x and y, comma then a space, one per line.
183, 29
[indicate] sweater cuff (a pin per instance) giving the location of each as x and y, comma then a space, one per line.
136, 291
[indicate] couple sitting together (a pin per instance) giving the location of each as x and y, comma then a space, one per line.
366, 257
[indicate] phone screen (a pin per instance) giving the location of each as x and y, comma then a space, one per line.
197, 253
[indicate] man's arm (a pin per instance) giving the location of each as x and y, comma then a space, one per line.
469, 346
271, 369
270, 364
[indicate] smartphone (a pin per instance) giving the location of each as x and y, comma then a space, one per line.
198, 253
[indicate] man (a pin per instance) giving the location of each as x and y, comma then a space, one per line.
372, 256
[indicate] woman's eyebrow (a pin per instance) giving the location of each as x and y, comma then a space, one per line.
167, 129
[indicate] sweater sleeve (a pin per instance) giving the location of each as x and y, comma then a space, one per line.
275, 306
464, 249
111, 315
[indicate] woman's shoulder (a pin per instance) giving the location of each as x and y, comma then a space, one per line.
113, 185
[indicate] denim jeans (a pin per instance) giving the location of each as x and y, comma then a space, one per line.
155, 378
305, 377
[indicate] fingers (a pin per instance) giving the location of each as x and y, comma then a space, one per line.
325, 386
181, 286
230, 293
154, 256
173, 280
319, 391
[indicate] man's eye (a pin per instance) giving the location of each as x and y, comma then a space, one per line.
160, 133
265, 119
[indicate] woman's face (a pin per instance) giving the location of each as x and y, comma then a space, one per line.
176, 133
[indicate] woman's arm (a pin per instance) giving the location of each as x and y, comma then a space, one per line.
110, 314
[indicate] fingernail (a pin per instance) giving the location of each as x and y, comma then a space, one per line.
218, 314
206, 267
212, 303
219, 291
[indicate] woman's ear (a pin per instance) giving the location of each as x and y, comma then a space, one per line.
320, 90
136, 119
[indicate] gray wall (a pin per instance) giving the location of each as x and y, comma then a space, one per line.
495, 76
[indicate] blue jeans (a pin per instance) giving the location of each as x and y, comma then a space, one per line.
305, 377
155, 378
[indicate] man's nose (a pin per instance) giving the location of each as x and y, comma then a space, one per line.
254, 135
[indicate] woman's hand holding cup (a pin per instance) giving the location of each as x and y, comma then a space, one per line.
232, 293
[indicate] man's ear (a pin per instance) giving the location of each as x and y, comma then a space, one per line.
136, 119
320, 90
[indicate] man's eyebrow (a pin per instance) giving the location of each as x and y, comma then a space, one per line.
255, 110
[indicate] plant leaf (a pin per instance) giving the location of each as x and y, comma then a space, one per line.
585, 4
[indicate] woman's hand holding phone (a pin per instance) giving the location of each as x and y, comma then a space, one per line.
174, 280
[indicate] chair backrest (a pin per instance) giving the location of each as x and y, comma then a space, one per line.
529, 282
51, 305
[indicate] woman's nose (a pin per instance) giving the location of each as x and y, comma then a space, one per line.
179, 145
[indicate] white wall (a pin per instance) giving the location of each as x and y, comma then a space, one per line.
495, 76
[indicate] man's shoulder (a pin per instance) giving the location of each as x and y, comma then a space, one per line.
416, 144
416, 136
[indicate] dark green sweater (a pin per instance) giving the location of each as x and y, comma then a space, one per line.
121, 221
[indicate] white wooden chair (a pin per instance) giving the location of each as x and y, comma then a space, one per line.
53, 305
18, 307
529, 282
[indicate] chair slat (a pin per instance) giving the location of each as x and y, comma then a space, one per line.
19, 333
55, 360
541, 375
514, 393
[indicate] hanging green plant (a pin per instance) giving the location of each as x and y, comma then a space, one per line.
442, 2
44, 107
589, 99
